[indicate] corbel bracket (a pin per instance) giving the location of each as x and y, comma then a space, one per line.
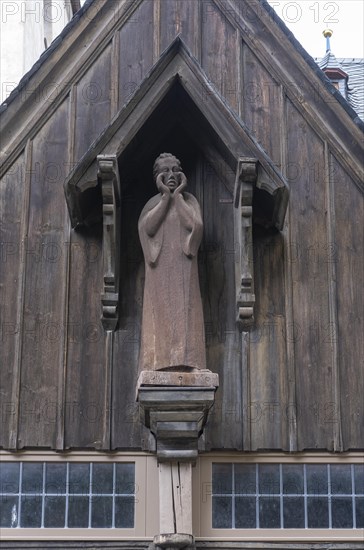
108, 176
246, 177
176, 416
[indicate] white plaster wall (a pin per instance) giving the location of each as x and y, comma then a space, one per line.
24, 26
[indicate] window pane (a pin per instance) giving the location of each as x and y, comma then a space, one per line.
222, 479
31, 511
221, 512
78, 511
245, 513
293, 513
9, 511
124, 512
32, 477
317, 513
102, 478
101, 512
79, 478
359, 479
340, 479
125, 479
359, 505
55, 478
269, 479
269, 512
316, 479
342, 513
245, 482
292, 479
9, 477
54, 511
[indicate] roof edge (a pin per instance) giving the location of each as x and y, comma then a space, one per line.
45, 55
313, 65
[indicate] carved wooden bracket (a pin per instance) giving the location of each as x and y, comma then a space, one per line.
246, 177
176, 416
108, 176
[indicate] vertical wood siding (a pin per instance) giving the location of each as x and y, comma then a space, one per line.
13, 200
180, 17
293, 383
311, 330
219, 39
346, 251
93, 103
262, 106
136, 50
43, 320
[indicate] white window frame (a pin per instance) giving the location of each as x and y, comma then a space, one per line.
146, 489
202, 478
147, 499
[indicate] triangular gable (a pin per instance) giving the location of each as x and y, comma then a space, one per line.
260, 28
231, 136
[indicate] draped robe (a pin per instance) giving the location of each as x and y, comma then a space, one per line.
172, 325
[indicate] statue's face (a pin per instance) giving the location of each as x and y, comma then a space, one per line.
171, 172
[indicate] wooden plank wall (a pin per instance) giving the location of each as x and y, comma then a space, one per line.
346, 261
14, 189
291, 384
42, 344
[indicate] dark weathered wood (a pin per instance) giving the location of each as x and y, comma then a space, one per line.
311, 331
301, 384
345, 254
43, 316
109, 180
93, 103
261, 105
85, 405
267, 409
219, 39
126, 428
14, 189
180, 17
136, 50
217, 274
208, 115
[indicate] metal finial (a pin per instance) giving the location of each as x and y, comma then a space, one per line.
328, 34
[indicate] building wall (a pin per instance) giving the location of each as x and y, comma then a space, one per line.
298, 384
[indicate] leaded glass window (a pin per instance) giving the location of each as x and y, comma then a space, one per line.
67, 495
287, 496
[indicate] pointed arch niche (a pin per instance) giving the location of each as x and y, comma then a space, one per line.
176, 109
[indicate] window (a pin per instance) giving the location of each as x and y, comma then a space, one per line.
77, 495
49, 494
277, 496
287, 496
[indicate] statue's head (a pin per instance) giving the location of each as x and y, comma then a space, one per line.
168, 170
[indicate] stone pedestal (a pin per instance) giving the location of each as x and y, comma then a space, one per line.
176, 416
175, 407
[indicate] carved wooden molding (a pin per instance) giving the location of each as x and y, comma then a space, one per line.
246, 177
177, 70
108, 176
176, 416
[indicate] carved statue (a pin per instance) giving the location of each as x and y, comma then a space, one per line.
170, 230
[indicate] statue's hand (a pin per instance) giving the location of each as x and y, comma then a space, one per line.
164, 189
182, 185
